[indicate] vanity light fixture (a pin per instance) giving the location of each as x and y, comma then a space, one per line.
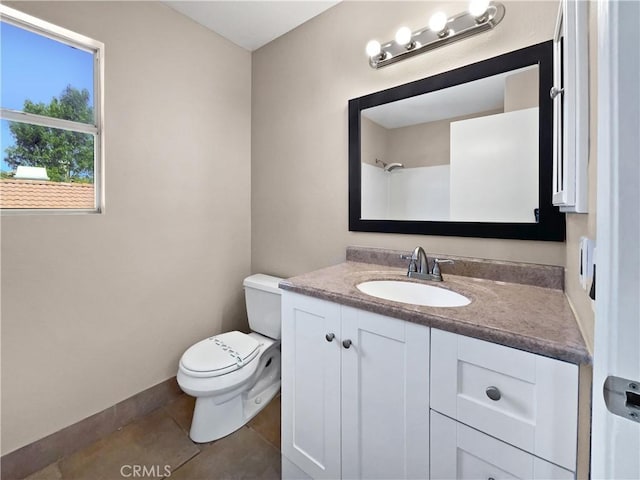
478, 8
438, 23
403, 38
481, 16
374, 48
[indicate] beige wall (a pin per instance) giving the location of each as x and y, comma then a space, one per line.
374, 142
301, 85
521, 90
96, 308
425, 144
421, 145
579, 225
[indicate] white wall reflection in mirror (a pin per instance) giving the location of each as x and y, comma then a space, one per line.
469, 153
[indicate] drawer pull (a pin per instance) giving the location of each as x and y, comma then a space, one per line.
330, 337
493, 393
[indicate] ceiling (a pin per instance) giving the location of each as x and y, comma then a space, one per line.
469, 98
251, 24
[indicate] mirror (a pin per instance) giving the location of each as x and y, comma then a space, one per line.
453, 140
464, 153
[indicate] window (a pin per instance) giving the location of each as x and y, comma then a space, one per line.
51, 117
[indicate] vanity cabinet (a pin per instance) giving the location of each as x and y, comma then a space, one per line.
525, 400
465, 453
369, 396
355, 391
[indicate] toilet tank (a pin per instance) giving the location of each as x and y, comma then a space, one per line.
262, 297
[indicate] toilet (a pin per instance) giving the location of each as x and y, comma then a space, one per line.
234, 375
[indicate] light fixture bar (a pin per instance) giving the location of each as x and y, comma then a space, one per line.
457, 27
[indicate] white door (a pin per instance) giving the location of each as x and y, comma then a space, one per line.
311, 385
385, 397
616, 440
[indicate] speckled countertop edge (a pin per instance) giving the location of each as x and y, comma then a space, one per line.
534, 319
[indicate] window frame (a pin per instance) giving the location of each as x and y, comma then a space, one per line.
96, 48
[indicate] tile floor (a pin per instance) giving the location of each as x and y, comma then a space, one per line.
158, 446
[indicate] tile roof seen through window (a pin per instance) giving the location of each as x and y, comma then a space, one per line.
16, 193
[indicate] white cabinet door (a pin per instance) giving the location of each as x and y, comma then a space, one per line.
570, 95
385, 397
526, 400
460, 452
311, 385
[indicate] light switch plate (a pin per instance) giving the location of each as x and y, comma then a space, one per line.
585, 270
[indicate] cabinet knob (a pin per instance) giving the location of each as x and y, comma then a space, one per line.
491, 478
555, 91
330, 337
493, 393
347, 343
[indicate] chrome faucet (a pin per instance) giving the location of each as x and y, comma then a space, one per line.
419, 265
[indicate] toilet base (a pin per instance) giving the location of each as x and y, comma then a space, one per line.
212, 420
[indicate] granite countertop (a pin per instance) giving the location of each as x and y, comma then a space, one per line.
530, 318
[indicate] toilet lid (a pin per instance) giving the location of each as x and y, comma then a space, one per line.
221, 354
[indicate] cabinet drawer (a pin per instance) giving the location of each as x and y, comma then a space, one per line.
460, 452
527, 400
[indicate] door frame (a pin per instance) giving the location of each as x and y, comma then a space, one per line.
616, 441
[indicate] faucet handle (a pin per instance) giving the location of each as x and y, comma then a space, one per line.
436, 266
413, 267
444, 260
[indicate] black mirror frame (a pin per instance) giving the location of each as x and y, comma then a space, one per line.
551, 224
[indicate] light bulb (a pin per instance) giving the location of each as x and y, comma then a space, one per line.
437, 22
403, 36
477, 8
373, 48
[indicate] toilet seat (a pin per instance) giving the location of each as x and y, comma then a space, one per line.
220, 354
199, 384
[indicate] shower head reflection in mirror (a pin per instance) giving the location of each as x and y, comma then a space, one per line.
389, 167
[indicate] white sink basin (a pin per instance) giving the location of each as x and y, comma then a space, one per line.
413, 293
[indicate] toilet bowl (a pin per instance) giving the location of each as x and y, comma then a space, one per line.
234, 375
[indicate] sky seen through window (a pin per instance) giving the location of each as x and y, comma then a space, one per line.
37, 68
